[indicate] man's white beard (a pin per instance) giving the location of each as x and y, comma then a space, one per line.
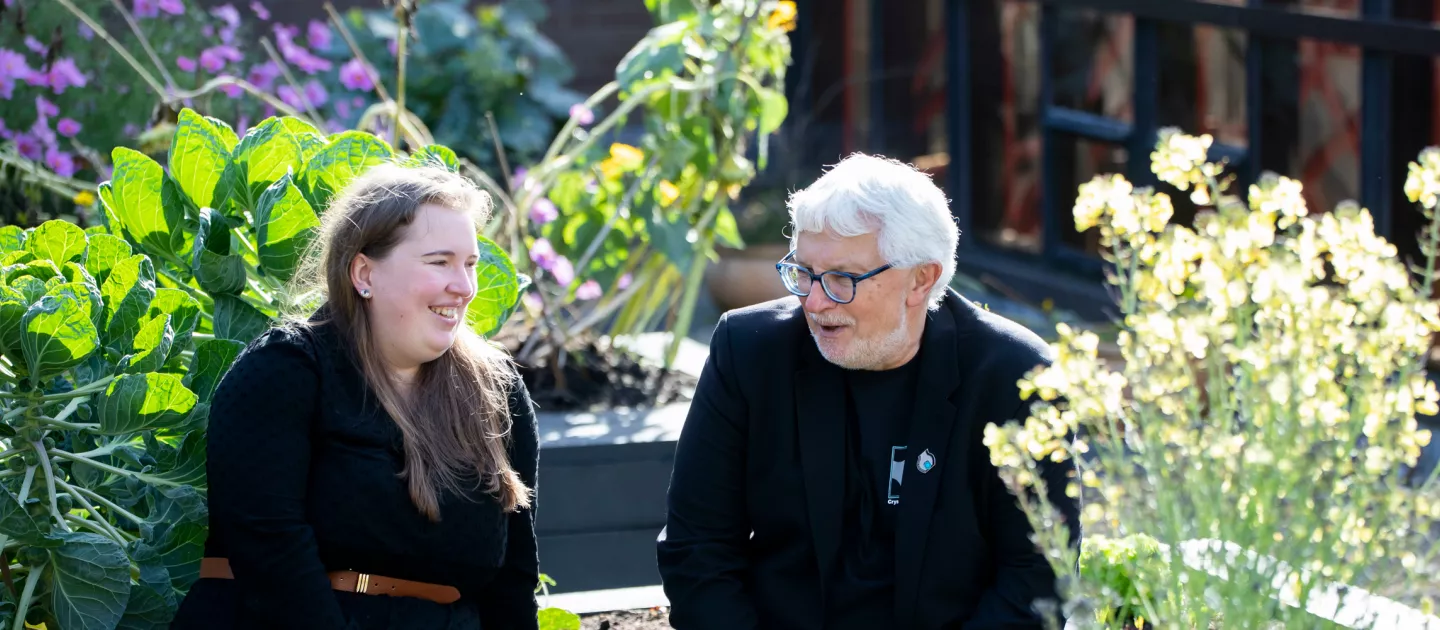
868, 353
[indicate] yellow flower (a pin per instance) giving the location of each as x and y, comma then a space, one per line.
668, 193
783, 17
626, 156
84, 198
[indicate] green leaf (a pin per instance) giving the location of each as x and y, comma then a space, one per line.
152, 346
183, 465
184, 312
16, 522
12, 309
559, 619
497, 288
42, 270
177, 526
726, 230
660, 53
135, 195
234, 319
219, 274
212, 359
30, 288
286, 224
198, 156
12, 239
83, 292
147, 608
274, 147
141, 402
346, 156
127, 294
73, 272
773, 109
105, 252
10, 259
57, 335
436, 155
91, 582
60, 241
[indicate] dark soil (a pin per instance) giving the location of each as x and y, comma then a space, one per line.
594, 379
652, 619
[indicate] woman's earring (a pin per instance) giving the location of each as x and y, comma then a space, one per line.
365, 293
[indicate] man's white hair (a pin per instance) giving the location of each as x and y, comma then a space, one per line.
864, 193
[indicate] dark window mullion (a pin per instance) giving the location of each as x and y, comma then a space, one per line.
1049, 156
1375, 78
1254, 103
962, 197
1145, 94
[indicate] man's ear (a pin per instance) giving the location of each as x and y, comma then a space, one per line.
360, 268
926, 275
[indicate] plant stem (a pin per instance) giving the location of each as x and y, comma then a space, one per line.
125, 54
401, 48
30, 581
68, 410
50, 484
144, 43
110, 530
614, 216
66, 186
89, 388
103, 501
25, 485
222, 81
70, 426
355, 50
118, 471
570, 124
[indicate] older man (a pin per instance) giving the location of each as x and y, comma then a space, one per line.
831, 473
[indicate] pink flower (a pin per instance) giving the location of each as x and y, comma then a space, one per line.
318, 34
61, 162
29, 146
582, 114
543, 212
308, 63
45, 108
173, 7
623, 282
242, 124
227, 14
86, 33
263, 76
213, 59
354, 75
232, 91
260, 10
563, 271
185, 63
315, 93
145, 8
67, 127
63, 74
588, 290
34, 45
542, 254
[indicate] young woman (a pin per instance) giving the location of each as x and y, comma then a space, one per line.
373, 465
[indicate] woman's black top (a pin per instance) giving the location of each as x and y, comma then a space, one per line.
304, 478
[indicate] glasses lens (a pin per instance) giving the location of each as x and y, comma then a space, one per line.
796, 281
839, 288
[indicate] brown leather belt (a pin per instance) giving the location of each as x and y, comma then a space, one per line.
354, 582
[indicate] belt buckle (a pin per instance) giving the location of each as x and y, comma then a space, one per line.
362, 583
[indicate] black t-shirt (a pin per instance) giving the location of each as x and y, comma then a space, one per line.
878, 410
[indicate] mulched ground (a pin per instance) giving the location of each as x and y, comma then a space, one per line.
652, 619
599, 379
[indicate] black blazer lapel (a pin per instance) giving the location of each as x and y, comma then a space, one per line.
820, 402
930, 429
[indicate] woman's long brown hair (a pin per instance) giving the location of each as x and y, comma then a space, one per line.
455, 419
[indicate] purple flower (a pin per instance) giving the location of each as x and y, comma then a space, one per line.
342, 107
357, 102
623, 282
208, 31
61, 162
41, 131
4, 133
563, 271
213, 59
12, 67
232, 91
315, 93
543, 212
34, 45
130, 130
354, 75
242, 124
582, 114
542, 253
227, 14
67, 127
318, 34
86, 33
260, 10
185, 63
45, 108
394, 47
29, 146
145, 8
290, 97
227, 35
588, 290
263, 76
173, 7
308, 63
64, 74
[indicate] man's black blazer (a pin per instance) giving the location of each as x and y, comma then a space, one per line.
755, 497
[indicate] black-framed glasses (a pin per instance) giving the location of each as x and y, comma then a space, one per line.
839, 286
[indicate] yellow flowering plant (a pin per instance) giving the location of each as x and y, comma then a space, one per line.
1259, 419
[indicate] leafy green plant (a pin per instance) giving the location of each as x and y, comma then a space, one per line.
620, 235
104, 391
